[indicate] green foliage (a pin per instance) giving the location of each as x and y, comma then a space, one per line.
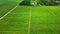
49, 3
27, 3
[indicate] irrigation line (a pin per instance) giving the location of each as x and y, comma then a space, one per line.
8, 12
53, 13
29, 23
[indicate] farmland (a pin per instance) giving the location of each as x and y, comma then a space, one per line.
30, 19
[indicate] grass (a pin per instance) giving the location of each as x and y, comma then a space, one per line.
6, 5
44, 15
4, 8
20, 21
30, 19
42, 20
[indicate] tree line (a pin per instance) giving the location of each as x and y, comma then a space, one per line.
40, 2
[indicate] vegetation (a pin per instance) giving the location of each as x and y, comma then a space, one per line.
41, 2
39, 19
44, 20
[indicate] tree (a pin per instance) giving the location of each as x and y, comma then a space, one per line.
41, 2
25, 3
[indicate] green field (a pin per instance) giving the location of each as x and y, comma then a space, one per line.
29, 19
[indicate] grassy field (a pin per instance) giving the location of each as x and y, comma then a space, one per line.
7, 5
30, 19
44, 20
16, 21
